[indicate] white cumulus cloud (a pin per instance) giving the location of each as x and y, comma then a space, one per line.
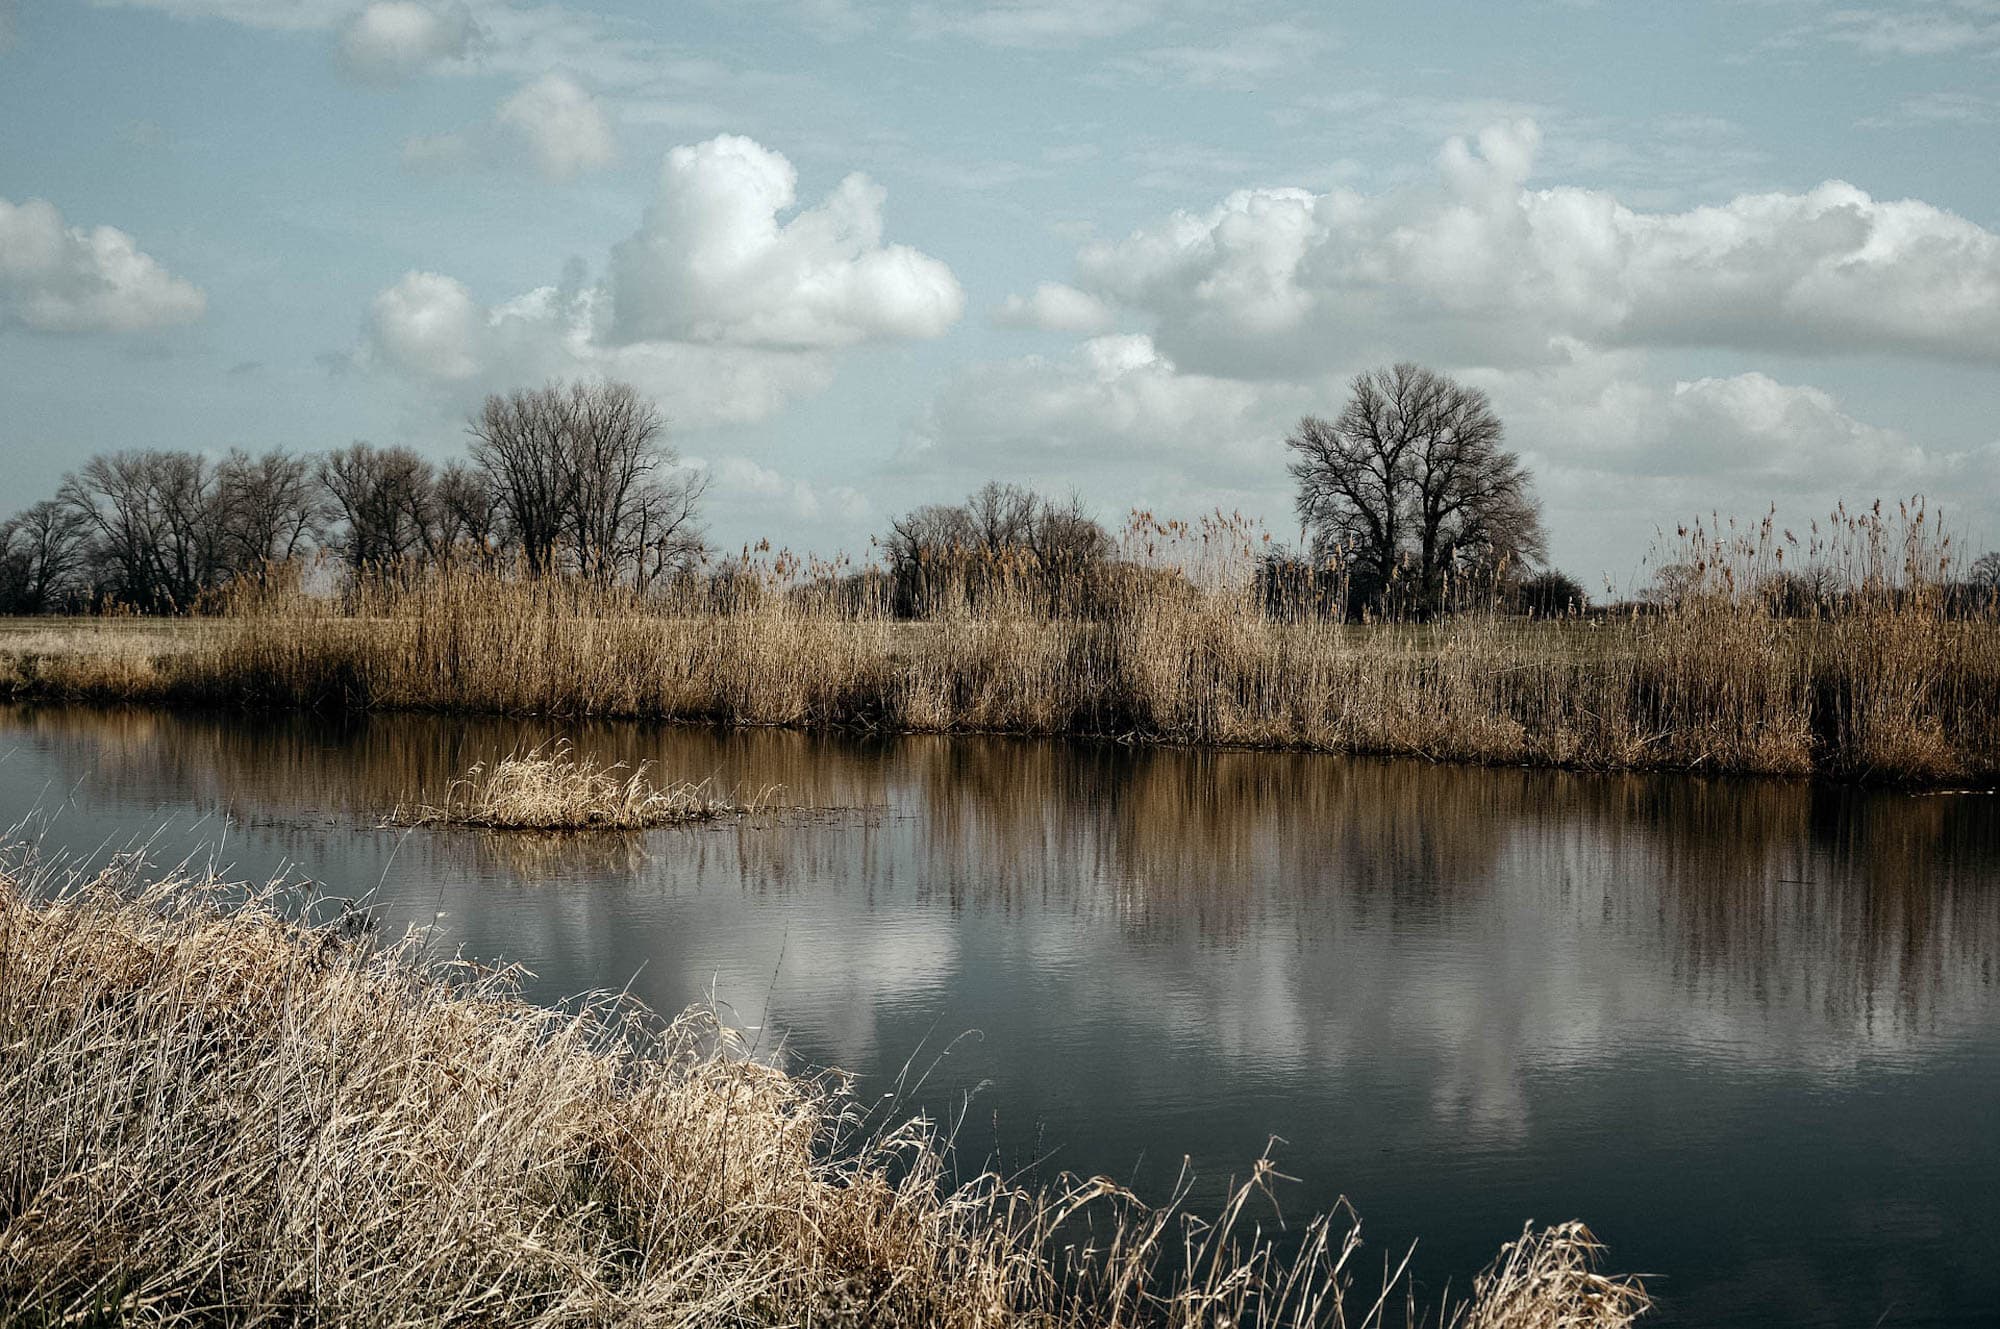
60, 278
430, 325
391, 40
1746, 432
430, 328
560, 126
717, 262
727, 329
1480, 268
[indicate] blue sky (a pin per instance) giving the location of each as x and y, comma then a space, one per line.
1703, 256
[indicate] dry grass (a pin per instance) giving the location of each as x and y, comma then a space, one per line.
1886, 677
1549, 1280
550, 788
212, 1115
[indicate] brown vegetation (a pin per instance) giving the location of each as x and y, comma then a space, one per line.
1886, 672
552, 789
212, 1115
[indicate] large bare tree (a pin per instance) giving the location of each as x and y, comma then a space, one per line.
274, 508
385, 500
159, 523
43, 553
585, 481
1412, 485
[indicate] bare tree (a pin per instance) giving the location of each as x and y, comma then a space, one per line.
584, 480
1001, 533
1986, 570
928, 550
999, 516
384, 498
468, 513
42, 558
518, 442
619, 479
160, 525
1412, 486
275, 508
666, 540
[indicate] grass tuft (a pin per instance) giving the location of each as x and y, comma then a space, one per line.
549, 788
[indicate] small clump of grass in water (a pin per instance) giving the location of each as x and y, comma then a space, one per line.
551, 788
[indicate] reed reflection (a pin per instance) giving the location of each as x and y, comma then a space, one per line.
1874, 914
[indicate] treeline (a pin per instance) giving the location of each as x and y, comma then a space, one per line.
1409, 504
1410, 507
568, 479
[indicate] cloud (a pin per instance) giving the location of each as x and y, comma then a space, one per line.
1937, 108
1916, 30
1479, 268
511, 38
430, 325
1055, 307
559, 125
60, 278
1031, 23
1619, 454
713, 306
552, 125
715, 263
392, 40
1248, 58
280, 14
744, 483
430, 328
1617, 448
1117, 403
1609, 415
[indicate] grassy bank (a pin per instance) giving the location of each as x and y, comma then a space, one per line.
1894, 685
211, 1115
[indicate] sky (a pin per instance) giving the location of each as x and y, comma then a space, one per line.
1705, 257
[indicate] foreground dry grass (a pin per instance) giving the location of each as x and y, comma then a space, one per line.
211, 1115
550, 788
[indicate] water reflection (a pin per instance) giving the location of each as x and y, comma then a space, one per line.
1874, 914
1748, 1028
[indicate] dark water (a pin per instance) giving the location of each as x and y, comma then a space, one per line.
1750, 1031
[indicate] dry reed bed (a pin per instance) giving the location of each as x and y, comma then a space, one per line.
1892, 689
212, 1115
550, 788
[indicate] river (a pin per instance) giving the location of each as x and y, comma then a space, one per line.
1748, 1030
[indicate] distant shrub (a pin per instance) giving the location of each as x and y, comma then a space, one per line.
1551, 594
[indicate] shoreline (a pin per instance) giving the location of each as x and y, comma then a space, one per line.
1897, 699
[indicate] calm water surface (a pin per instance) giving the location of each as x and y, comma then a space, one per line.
1750, 1031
